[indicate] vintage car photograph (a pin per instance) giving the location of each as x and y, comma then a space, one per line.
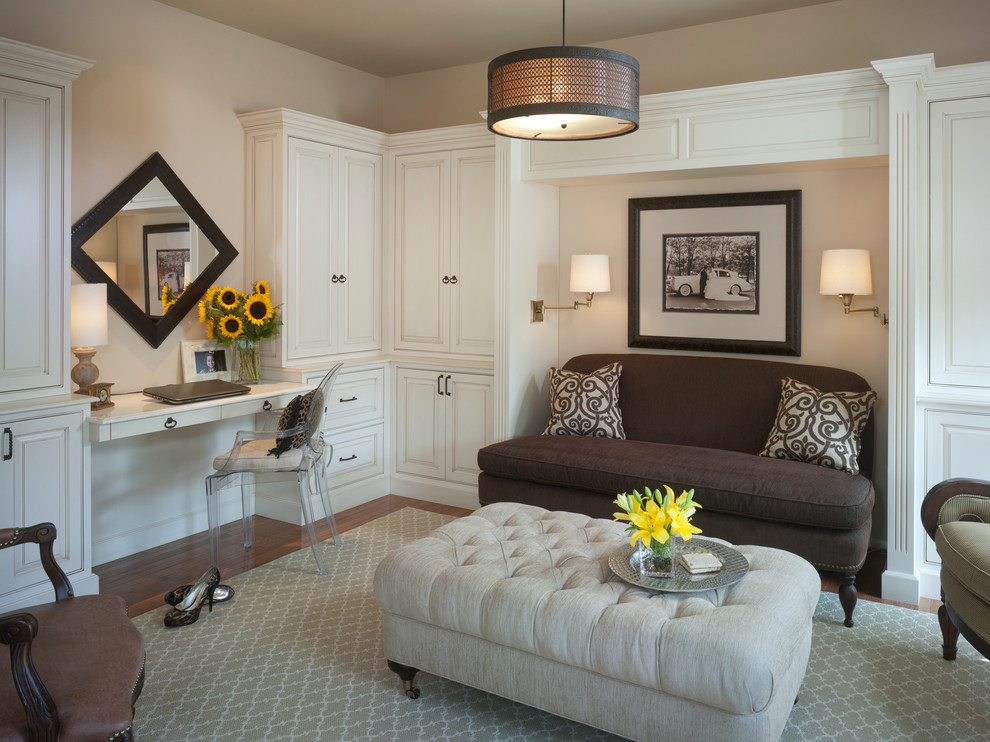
711, 272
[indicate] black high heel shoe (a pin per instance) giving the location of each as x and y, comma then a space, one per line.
187, 610
222, 594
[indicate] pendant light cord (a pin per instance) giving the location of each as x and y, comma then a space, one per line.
563, 22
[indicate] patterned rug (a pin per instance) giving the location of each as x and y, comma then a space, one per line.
298, 657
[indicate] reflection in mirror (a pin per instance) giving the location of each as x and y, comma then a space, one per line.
147, 234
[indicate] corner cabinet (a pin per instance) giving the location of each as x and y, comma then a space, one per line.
314, 215
443, 419
444, 244
35, 107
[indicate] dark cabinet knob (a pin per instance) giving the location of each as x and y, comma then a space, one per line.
267, 405
171, 423
446, 279
453, 279
334, 279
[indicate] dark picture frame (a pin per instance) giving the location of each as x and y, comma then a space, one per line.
164, 258
749, 243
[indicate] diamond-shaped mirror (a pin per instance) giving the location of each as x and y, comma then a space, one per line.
147, 233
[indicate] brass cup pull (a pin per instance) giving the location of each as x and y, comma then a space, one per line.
171, 423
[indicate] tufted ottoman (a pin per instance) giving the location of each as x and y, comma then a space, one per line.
520, 601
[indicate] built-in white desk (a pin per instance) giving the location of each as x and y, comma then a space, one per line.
137, 414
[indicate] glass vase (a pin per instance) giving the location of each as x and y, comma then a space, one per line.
247, 361
657, 560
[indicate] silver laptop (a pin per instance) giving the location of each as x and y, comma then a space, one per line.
195, 391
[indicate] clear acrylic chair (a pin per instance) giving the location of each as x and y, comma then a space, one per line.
308, 461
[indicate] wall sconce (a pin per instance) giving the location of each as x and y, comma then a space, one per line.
846, 273
88, 329
589, 273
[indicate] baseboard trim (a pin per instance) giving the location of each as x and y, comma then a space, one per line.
435, 490
900, 587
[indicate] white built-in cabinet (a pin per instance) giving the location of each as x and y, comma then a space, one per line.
314, 199
444, 246
442, 419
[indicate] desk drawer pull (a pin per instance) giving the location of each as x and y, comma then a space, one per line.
349, 399
9, 435
267, 405
170, 423
349, 458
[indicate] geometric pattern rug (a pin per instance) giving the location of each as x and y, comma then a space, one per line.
296, 656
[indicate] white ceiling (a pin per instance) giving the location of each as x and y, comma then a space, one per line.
397, 37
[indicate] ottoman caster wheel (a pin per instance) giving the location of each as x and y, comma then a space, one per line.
407, 675
412, 692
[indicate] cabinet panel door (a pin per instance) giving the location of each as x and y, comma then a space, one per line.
360, 252
32, 264
42, 483
419, 439
472, 252
960, 223
308, 316
469, 424
421, 247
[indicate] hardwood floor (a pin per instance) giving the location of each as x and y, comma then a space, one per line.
142, 579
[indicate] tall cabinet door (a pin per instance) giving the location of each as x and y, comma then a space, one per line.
312, 221
419, 422
32, 263
422, 241
469, 424
358, 258
472, 252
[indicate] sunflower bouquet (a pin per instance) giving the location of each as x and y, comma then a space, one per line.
653, 518
231, 315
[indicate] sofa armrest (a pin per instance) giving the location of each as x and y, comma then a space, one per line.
44, 535
970, 501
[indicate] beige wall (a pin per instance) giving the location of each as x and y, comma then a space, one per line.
171, 82
842, 35
841, 208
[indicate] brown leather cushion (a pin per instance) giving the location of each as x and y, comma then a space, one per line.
724, 481
89, 655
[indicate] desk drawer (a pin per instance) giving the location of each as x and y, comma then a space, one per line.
257, 405
356, 396
357, 454
172, 420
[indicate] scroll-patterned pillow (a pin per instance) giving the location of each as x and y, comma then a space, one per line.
585, 404
819, 427
294, 414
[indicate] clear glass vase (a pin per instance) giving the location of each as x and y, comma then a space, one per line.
657, 560
247, 361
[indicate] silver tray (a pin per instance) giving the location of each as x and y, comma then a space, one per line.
734, 567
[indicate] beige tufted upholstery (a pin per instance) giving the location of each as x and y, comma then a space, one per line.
537, 583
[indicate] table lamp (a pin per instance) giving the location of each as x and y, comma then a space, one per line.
88, 329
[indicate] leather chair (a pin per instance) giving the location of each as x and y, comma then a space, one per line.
75, 667
956, 514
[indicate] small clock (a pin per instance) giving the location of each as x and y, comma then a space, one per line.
101, 391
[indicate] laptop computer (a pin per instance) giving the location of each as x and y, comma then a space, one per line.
195, 391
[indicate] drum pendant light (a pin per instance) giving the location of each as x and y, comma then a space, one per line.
563, 93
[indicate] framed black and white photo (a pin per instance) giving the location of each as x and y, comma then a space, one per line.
717, 273
203, 360
166, 262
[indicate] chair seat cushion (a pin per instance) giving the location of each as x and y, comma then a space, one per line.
90, 656
253, 456
964, 547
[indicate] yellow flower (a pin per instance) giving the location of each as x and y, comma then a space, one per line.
164, 293
649, 524
653, 517
210, 293
231, 326
258, 309
166, 305
209, 331
202, 310
261, 287
227, 298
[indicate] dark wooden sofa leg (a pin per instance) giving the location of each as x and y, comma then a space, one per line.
950, 634
407, 675
848, 596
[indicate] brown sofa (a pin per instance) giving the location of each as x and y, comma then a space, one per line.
700, 421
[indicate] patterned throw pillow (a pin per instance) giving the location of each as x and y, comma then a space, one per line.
294, 414
819, 427
585, 404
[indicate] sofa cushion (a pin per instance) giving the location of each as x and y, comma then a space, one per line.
730, 482
585, 404
819, 427
965, 573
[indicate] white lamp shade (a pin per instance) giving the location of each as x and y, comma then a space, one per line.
109, 267
846, 272
89, 315
589, 273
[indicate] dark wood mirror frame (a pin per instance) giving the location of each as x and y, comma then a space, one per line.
153, 329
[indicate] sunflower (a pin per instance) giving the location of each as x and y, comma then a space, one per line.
202, 310
258, 309
227, 298
210, 293
231, 326
261, 287
166, 305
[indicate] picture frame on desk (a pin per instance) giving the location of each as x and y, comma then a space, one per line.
205, 359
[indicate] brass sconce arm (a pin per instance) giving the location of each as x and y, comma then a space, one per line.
537, 307
847, 308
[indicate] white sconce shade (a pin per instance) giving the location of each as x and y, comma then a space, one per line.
88, 326
846, 272
589, 273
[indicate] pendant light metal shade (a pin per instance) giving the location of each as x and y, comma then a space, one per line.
563, 92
